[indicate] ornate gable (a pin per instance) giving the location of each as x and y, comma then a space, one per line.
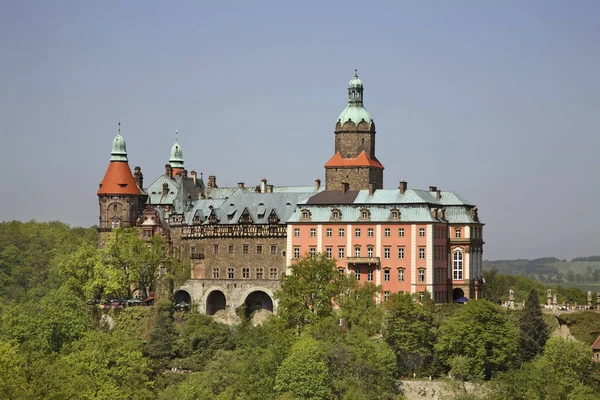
305, 214
336, 215
245, 218
365, 214
273, 218
212, 218
395, 214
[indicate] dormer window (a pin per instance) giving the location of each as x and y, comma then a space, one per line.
365, 214
394, 214
336, 214
305, 215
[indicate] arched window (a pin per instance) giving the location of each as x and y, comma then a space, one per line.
457, 265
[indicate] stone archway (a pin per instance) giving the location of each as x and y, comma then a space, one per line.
258, 300
182, 296
457, 293
215, 302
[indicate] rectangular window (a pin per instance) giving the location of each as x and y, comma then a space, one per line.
230, 249
328, 252
357, 274
340, 253
216, 273
259, 273
313, 252
421, 232
386, 275
193, 249
245, 249
421, 252
313, 232
341, 232
329, 232
369, 252
401, 275
296, 252
215, 248
457, 233
386, 252
370, 232
400, 232
273, 249
400, 252
421, 275
259, 249
387, 232
296, 232
273, 273
245, 273
357, 252
357, 232
370, 275
386, 295
230, 273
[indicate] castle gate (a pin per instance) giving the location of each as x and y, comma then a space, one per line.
210, 296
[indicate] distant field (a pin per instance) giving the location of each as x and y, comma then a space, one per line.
585, 286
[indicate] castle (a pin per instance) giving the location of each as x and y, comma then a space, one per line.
239, 240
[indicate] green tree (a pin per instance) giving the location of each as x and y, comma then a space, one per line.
357, 306
304, 373
99, 366
13, 372
481, 332
410, 333
161, 338
533, 331
306, 294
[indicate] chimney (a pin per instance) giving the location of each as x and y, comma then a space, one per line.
165, 190
194, 176
438, 194
269, 188
263, 185
184, 173
371, 189
317, 184
402, 187
212, 181
345, 187
432, 188
241, 185
139, 177
168, 170
257, 189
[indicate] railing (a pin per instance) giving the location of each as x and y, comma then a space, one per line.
197, 256
363, 260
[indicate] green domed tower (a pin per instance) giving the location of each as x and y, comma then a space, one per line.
176, 159
354, 161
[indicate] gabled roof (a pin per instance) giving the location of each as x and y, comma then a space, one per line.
363, 160
118, 180
596, 344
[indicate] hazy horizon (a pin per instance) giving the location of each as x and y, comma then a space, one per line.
497, 102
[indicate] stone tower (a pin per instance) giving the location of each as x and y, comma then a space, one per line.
119, 196
354, 161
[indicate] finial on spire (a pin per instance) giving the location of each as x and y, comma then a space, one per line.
176, 134
356, 72
119, 127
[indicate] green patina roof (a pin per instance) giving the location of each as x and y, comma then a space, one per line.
355, 110
176, 159
119, 149
355, 114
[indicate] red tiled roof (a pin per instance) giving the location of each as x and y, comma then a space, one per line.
363, 160
118, 180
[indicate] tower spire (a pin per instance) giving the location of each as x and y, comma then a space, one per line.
119, 148
355, 91
176, 159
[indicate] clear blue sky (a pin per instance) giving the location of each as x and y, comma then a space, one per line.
498, 101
